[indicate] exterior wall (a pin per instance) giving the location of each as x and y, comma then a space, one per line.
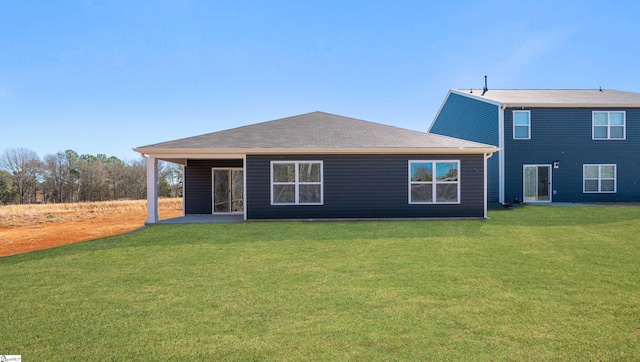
564, 135
197, 184
364, 186
473, 120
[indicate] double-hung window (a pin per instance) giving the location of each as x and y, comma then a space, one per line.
434, 182
609, 125
521, 125
599, 178
296, 183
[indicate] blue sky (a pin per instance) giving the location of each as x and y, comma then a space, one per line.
107, 76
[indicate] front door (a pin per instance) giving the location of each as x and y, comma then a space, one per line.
537, 183
228, 190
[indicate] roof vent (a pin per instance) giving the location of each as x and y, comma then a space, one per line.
485, 89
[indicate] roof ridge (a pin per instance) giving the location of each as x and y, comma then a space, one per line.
338, 116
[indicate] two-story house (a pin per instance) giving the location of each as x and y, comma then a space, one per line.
556, 145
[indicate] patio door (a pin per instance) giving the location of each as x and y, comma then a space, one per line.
537, 183
228, 190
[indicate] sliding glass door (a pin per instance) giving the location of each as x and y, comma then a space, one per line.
228, 190
537, 183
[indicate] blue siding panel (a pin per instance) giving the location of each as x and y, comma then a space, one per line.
197, 184
364, 186
473, 120
564, 135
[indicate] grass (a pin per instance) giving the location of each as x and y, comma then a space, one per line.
533, 283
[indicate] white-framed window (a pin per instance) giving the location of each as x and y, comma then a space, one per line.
296, 183
521, 125
609, 125
434, 182
599, 178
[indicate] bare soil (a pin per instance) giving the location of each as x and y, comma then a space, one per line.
25, 228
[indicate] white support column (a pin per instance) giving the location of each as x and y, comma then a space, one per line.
152, 190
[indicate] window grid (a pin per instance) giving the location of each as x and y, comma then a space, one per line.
521, 125
599, 178
297, 184
428, 188
608, 125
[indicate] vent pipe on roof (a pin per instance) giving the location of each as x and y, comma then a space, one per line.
485, 89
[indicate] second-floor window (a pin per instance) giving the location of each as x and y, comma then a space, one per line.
609, 125
521, 125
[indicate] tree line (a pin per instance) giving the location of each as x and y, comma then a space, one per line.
69, 177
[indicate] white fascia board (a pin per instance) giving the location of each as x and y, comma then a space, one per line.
468, 95
478, 98
570, 105
439, 110
240, 153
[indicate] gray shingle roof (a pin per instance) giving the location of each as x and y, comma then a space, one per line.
558, 97
313, 131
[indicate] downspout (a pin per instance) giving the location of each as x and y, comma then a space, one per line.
486, 198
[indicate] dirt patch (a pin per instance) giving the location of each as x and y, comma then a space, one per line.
25, 228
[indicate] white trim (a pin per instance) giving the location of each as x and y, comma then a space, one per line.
571, 105
433, 182
297, 183
213, 191
152, 190
599, 179
550, 185
466, 93
486, 196
501, 154
608, 138
478, 98
439, 111
513, 123
224, 153
460, 93
244, 174
184, 192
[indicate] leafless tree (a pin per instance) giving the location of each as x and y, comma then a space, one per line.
55, 176
69, 177
170, 174
25, 167
136, 180
7, 190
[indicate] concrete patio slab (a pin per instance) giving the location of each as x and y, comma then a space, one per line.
196, 219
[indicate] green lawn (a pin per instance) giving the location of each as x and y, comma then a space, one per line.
532, 283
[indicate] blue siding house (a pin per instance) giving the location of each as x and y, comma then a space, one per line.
324, 166
555, 145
